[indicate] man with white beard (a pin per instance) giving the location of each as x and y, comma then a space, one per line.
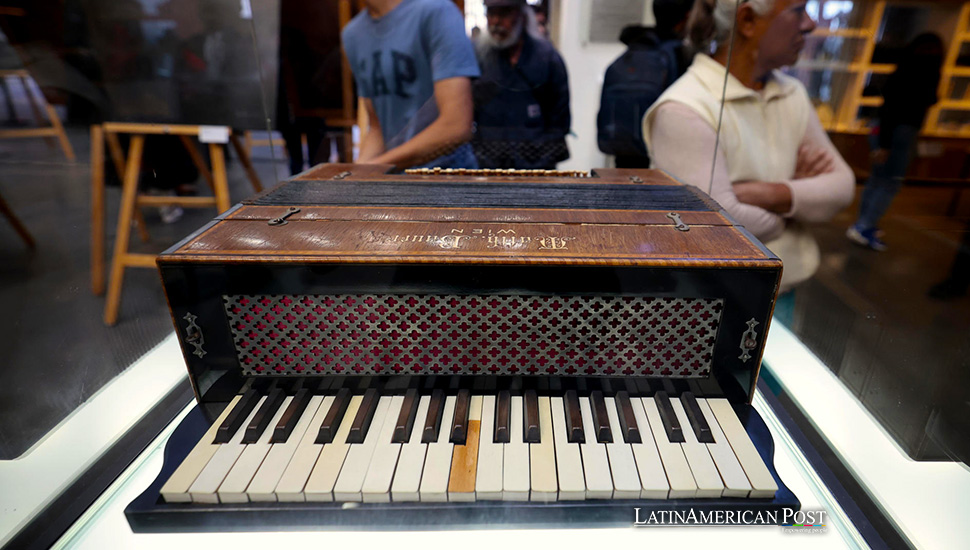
522, 98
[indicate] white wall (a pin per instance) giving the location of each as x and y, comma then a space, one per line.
586, 64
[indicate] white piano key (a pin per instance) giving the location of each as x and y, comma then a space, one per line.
596, 465
407, 477
679, 476
488, 481
762, 484
653, 478
271, 471
736, 484
297, 471
542, 458
233, 488
709, 484
569, 463
204, 487
437, 463
515, 460
176, 489
464, 460
380, 473
323, 476
626, 479
352, 474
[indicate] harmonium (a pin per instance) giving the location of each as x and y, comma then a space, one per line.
460, 349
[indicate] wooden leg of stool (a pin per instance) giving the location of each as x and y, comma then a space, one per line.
129, 192
248, 136
221, 189
35, 108
197, 160
117, 155
246, 162
61, 134
118, 160
97, 209
18, 226
348, 152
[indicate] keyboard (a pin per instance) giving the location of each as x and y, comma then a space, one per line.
365, 442
428, 350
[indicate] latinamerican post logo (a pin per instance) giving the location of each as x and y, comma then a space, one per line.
794, 521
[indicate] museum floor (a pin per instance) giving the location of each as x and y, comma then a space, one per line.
866, 314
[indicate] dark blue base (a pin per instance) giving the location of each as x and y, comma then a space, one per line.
149, 513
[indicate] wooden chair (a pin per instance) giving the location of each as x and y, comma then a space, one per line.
56, 129
129, 170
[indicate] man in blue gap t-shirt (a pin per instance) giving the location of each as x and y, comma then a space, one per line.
413, 66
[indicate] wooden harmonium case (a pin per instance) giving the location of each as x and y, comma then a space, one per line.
394, 339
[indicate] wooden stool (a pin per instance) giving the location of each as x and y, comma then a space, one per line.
131, 200
56, 129
18, 226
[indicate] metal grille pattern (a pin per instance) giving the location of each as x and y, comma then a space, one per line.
474, 334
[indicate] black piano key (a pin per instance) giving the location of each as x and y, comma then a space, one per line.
503, 417
459, 427
432, 423
574, 418
368, 406
237, 416
405, 420
530, 417
643, 387
601, 420
328, 429
696, 418
628, 422
709, 388
291, 416
264, 415
681, 386
675, 433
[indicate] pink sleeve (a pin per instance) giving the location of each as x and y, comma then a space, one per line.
819, 198
682, 144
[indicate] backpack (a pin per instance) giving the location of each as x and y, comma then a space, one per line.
631, 85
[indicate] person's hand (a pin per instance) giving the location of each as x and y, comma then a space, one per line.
879, 156
813, 161
773, 197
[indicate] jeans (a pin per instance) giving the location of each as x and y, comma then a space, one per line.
886, 178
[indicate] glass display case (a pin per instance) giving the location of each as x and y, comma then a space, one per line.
516, 137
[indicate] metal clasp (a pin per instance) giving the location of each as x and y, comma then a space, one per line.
282, 219
341, 176
749, 341
678, 223
636, 179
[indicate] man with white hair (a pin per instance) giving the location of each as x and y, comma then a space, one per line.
522, 98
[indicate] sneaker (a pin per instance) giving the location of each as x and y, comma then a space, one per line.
868, 238
170, 213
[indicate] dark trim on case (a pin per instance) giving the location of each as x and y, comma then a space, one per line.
46, 527
877, 529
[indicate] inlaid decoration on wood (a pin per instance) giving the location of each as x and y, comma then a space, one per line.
474, 334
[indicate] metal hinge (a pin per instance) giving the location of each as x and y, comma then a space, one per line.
282, 219
749, 341
678, 223
193, 335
